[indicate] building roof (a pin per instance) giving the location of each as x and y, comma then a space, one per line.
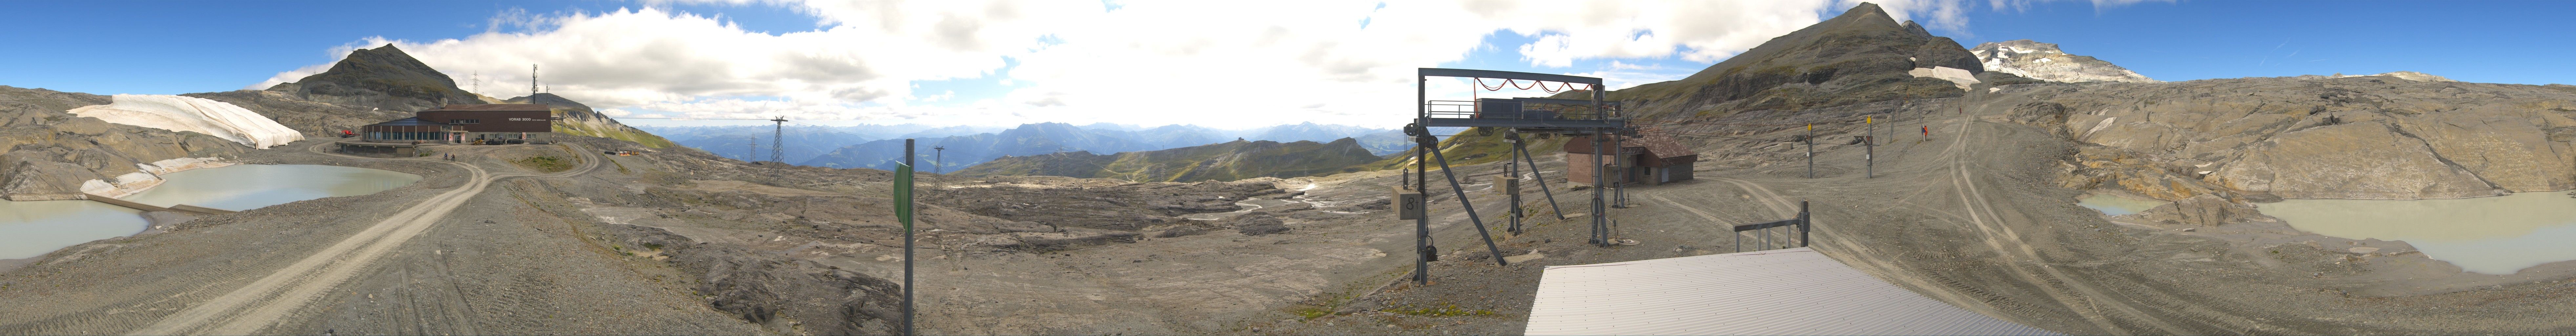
1654, 145
409, 122
1795, 291
492, 107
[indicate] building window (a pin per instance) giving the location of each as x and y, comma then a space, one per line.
465, 121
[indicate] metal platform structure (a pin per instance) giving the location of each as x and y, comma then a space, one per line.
1516, 116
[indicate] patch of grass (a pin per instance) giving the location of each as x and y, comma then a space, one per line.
547, 164
1311, 312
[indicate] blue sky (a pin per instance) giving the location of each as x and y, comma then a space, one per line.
896, 63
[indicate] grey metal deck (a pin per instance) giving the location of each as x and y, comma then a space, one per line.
1795, 291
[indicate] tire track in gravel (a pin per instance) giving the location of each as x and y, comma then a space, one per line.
264, 302
2021, 258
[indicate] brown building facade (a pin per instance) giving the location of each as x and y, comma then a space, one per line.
493, 118
1648, 160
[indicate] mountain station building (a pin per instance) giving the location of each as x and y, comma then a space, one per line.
456, 123
1648, 160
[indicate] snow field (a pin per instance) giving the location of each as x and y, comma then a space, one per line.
192, 114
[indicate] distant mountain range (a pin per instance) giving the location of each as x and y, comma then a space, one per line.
879, 146
1228, 161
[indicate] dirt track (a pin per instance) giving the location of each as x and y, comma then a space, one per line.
306, 267
253, 308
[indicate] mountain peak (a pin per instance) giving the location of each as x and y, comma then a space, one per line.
1862, 55
2044, 61
382, 77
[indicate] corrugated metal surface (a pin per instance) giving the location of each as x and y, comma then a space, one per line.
1778, 292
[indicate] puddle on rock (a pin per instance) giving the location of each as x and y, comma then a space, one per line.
2490, 235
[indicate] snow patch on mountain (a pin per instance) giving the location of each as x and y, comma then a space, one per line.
2406, 75
2044, 61
1954, 75
192, 114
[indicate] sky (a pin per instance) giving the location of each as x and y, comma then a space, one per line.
1228, 64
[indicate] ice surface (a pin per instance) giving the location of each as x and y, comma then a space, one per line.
192, 114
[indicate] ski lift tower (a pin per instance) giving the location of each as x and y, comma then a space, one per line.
1571, 117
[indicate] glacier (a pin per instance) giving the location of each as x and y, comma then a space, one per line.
192, 114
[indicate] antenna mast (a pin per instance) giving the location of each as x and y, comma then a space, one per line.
478, 82
532, 79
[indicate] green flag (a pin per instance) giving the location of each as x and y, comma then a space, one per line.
903, 195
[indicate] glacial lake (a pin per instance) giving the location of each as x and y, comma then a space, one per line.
2489, 235
34, 228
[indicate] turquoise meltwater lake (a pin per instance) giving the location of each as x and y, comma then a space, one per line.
33, 228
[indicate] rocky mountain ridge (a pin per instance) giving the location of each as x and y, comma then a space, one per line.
1228, 161
1861, 56
2044, 61
1045, 138
382, 77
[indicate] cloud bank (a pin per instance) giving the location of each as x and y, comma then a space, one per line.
1134, 62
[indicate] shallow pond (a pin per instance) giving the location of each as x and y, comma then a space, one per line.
33, 228
2116, 205
2490, 235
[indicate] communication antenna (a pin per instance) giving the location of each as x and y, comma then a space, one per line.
477, 79
532, 79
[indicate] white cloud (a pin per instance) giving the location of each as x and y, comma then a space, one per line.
1224, 64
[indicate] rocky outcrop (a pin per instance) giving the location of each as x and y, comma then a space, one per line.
2372, 137
27, 179
2203, 210
383, 77
2366, 160
2044, 61
777, 291
52, 154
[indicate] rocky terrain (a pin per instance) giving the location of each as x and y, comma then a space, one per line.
47, 153
1222, 162
2378, 137
1978, 213
2044, 61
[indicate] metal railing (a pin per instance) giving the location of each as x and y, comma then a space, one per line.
1802, 224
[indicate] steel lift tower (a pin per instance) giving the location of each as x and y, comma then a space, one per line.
1572, 117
